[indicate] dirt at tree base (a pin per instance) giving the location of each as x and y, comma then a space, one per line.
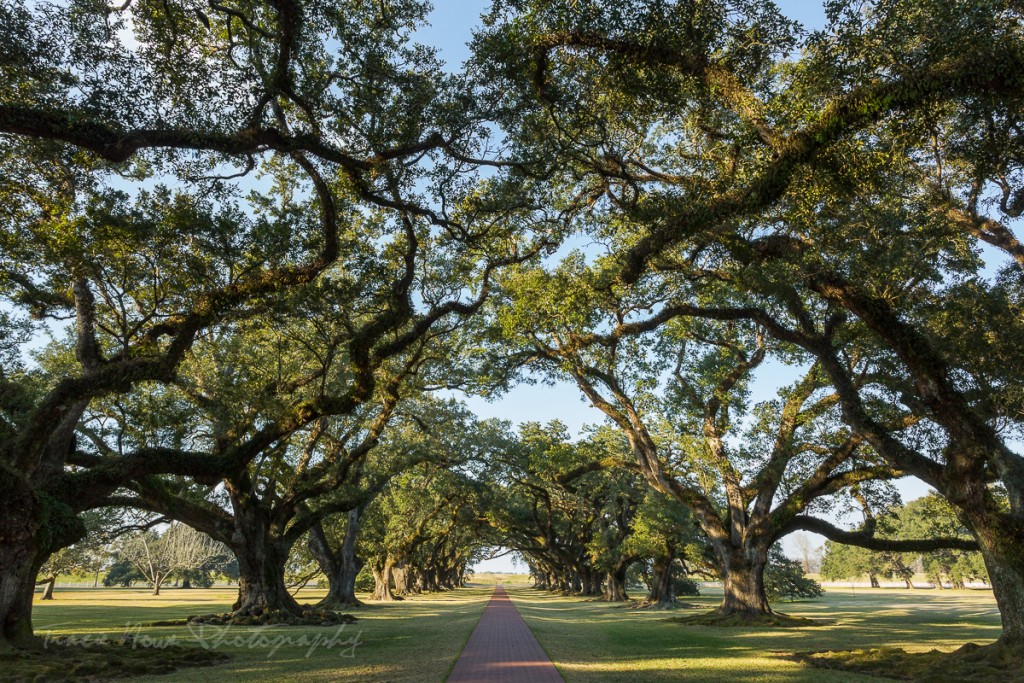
740, 620
995, 663
60, 661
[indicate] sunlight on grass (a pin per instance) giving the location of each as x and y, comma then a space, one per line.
590, 640
417, 639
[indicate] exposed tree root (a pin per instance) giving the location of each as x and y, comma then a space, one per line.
748, 620
71, 659
995, 663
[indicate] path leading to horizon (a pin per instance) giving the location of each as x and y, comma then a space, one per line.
502, 649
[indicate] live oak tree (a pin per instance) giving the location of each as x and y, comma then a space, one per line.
421, 533
333, 546
141, 289
582, 517
670, 546
326, 465
298, 374
81, 559
932, 515
422, 529
719, 148
560, 505
281, 125
588, 475
677, 389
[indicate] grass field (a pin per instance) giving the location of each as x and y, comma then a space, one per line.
508, 580
418, 639
591, 641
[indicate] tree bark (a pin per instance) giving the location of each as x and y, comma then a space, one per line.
400, 575
590, 582
17, 588
1002, 548
261, 583
661, 594
341, 567
615, 584
32, 527
261, 562
382, 582
743, 584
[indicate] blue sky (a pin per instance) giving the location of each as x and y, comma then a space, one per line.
452, 23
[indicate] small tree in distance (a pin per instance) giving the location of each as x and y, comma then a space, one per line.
180, 549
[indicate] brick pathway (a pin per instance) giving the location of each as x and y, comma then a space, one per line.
502, 649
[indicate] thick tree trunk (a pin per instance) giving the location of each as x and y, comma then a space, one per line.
433, 579
17, 588
1000, 536
401, 578
743, 584
261, 560
414, 579
1003, 552
261, 582
382, 582
31, 529
341, 568
615, 584
661, 594
591, 582
874, 581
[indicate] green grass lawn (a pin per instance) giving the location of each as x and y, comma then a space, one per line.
418, 639
507, 580
595, 641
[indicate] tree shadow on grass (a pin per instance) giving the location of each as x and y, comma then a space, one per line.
69, 659
971, 663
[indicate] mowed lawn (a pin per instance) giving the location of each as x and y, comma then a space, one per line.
418, 639
591, 641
